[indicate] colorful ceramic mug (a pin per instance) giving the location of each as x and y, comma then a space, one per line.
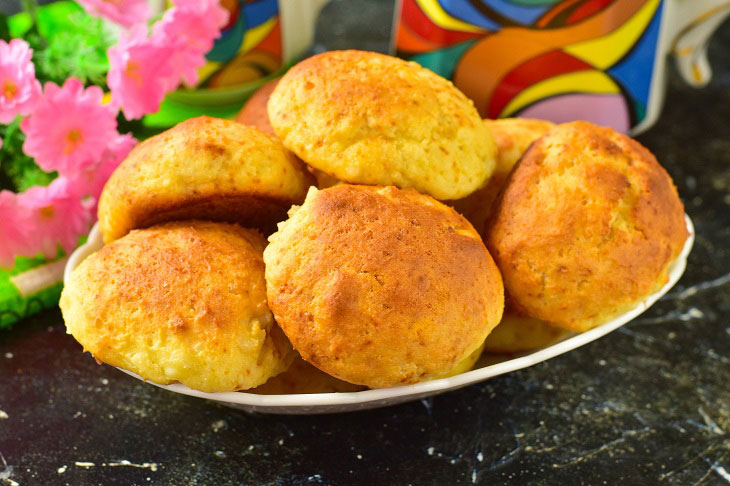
596, 60
261, 39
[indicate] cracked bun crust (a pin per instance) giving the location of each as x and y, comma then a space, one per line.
367, 118
203, 168
586, 227
380, 286
179, 302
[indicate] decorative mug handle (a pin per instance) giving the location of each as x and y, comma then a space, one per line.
692, 23
298, 20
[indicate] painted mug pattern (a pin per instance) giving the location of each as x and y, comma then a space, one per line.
250, 45
560, 60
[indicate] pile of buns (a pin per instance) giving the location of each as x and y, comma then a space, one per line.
405, 236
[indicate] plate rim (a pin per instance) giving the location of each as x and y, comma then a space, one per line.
417, 390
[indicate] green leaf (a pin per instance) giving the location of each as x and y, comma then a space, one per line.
4, 30
76, 48
67, 42
18, 172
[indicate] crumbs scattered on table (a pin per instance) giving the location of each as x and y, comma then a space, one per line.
152, 466
218, 425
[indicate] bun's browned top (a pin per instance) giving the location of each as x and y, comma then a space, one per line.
381, 286
183, 301
203, 168
586, 226
367, 118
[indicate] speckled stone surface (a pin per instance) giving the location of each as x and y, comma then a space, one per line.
648, 404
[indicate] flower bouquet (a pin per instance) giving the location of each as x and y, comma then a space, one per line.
74, 78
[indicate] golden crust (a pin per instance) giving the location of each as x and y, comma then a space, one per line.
368, 118
513, 136
183, 301
586, 227
254, 112
381, 286
203, 168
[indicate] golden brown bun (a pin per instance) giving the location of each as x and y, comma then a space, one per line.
513, 136
465, 364
183, 301
586, 227
380, 286
368, 118
204, 168
302, 377
254, 112
517, 333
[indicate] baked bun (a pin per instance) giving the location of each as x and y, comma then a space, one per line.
368, 118
586, 227
254, 112
179, 302
516, 333
203, 168
302, 377
513, 136
380, 286
465, 364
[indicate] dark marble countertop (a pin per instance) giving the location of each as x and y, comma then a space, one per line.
647, 404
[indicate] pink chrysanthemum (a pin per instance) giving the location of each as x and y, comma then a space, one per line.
56, 216
192, 27
14, 229
140, 73
126, 13
19, 89
69, 128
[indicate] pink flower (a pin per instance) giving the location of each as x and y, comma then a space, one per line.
56, 215
140, 73
91, 181
123, 12
190, 26
69, 128
19, 89
14, 229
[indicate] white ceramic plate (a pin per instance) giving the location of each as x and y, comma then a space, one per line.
346, 402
